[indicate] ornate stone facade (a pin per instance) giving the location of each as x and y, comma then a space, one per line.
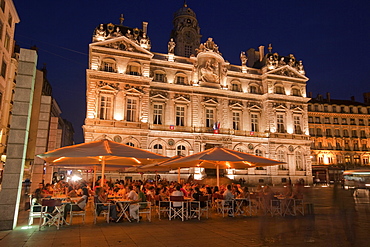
177, 104
339, 131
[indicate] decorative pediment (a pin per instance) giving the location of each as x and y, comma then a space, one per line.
296, 107
134, 89
254, 105
210, 100
159, 95
123, 44
107, 86
235, 104
287, 71
279, 106
182, 97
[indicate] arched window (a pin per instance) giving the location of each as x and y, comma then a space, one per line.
108, 65
281, 156
130, 144
279, 89
134, 68
181, 79
236, 86
159, 76
158, 149
296, 92
181, 150
299, 161
253, 89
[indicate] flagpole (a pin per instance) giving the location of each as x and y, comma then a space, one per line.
178, 175
94, 178
102, 171
218, 175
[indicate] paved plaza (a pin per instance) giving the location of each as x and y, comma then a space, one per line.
338, 220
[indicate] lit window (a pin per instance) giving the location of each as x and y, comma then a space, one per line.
209, 118
180, 116
280, 123
106, 107
236, 120
133, 69
297, 125
157, 113
254, 122
109, 67
131, 110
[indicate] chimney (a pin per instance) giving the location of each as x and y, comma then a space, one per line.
367, 98
145, 27
262, 52
328, 97
352, 98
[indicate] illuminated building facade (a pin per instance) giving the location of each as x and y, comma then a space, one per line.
191, 99
339, 131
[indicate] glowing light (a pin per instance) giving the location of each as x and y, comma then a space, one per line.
26, 227
59, 159
136, 160
118, 116
289, 130
75, 178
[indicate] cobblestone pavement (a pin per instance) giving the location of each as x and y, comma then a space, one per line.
338, 220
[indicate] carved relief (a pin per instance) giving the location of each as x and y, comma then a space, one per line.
209, 71
112, 85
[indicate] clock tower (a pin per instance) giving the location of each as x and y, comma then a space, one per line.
185, 32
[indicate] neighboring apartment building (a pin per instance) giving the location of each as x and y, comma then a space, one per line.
8, 68
191, 99
340, 132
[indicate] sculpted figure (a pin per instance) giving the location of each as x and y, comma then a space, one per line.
209, 73
129, 35
100, 32
243, 58
282, 62
117, 33
171, 46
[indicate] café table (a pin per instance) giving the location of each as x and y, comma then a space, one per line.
124, 205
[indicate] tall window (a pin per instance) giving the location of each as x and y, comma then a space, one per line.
210, 117
337, 132
297, 125
180, 115
3, 69
235, 86
157, 113
254, 122
299, 161
7, 41
181, 150
280, 123
188, 50
2, 5
236, 120
281, 156
131, 110
10, 19
106, 107
253, 89
158, 149
345, 133
1, 30
328, 132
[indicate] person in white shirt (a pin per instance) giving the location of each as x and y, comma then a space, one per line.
177, 192
134, 206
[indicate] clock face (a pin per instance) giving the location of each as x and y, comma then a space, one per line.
188, 36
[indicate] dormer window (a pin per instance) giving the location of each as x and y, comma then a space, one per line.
296, 92
181, 79
159, 76
235, 86
108, 65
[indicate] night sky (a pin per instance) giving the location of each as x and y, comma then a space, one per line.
332, 38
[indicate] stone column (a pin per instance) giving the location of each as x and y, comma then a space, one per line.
18, 138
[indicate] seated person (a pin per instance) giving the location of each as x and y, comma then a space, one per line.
101, 197
79, 205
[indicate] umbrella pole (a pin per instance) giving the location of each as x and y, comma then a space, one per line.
218, 175
178, 175
102, 172
94, 178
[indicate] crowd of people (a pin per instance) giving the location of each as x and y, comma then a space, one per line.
142, 191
